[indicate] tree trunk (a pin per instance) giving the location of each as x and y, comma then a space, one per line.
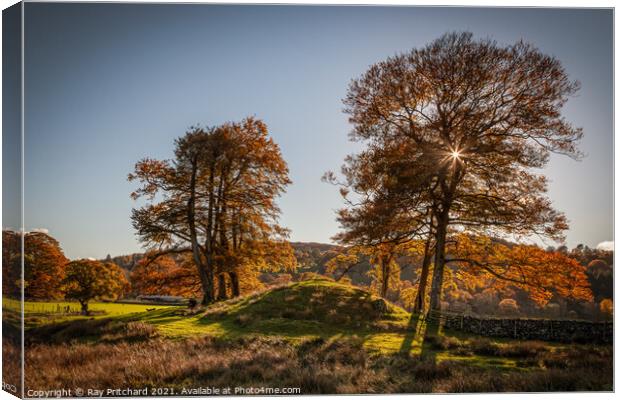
221, 287
234, 283
418, 304
440, 259
443, 220
205, 271
84, 305
385, 272
206, 281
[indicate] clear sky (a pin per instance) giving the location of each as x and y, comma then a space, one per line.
108, 84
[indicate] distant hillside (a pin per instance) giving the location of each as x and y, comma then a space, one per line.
126, 262
311, 257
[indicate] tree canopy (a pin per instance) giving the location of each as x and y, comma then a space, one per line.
453, 133
44, 263
86, 280
217, 201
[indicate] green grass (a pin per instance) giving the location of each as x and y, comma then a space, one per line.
50, 307
38, 313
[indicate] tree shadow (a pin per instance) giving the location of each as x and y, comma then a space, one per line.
431, 333
414, 330
424, 330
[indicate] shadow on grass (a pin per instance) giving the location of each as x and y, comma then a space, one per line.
414, 328
431, 332
424, 332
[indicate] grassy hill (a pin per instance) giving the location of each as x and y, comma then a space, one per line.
317, 308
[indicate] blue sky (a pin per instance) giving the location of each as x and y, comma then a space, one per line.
108, 84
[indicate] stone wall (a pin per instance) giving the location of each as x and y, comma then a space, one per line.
532, 329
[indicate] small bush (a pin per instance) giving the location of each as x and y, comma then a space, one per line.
555, 361
140, 330
244, 320
591, 358
443, 342
523, 349
484, 347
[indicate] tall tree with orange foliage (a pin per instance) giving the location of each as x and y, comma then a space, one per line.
217, 201
470, 119
44, 263
540, 273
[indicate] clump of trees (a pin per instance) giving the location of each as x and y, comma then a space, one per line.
48, 274
453, 133
86, 280
216, 200
44, 263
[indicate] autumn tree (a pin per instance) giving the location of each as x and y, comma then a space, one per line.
607, 308
384, 271
509, 307
86, 280
472, 119
11, 263
217, 201
44, 263
380, 218
540, 273
166, 275
601, 279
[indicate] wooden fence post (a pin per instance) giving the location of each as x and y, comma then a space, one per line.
515, 333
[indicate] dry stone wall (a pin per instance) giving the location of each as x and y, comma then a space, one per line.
533, 329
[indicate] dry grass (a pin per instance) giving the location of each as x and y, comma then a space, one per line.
11, 361
101, 330
130, 356
315, 367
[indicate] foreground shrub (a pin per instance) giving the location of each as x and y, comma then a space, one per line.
438, 342
523, 349
484, 347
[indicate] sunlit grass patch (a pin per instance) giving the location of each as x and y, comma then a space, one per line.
388, 342
39, 313
60, 307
